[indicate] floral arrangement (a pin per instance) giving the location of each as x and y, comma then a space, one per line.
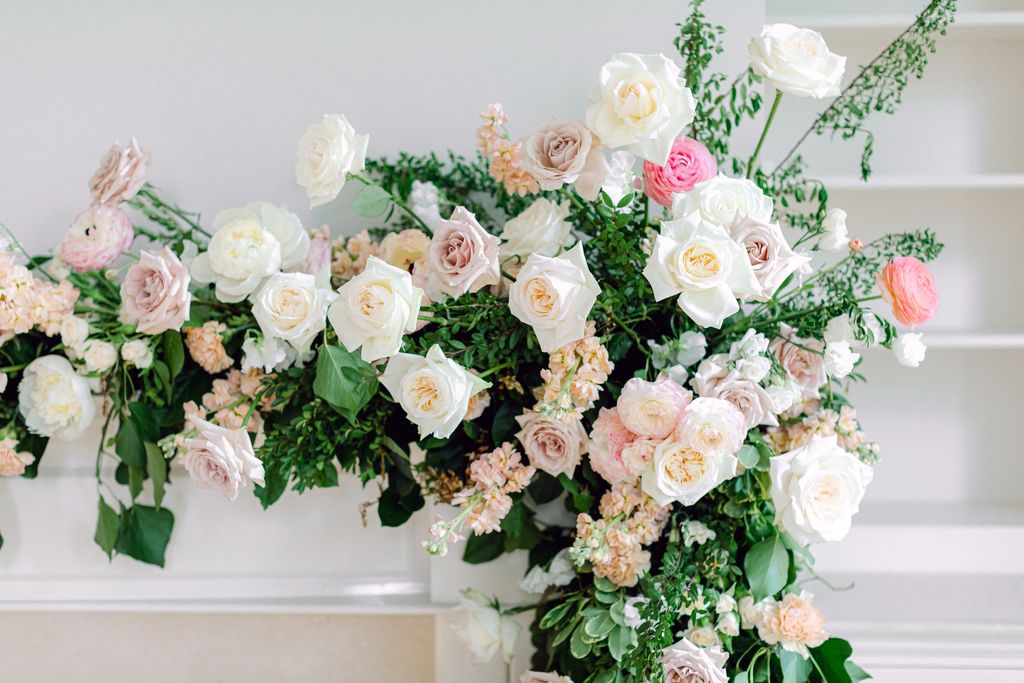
611, 343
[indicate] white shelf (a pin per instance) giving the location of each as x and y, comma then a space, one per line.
967, 24
980, 181
976, 341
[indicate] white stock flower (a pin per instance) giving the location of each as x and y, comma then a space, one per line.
909, 349
138, 353
292, 308
328, 151
267, 354
835, 236
54, 400
554, 296
839, 359
482, 628
642, 105
99, 356
221, 459
817, 489
796, 61
249, 245
543, 228
721, 199
375, 309
433, 390
704, 266
560, 572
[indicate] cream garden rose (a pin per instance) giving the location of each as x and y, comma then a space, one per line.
543, 228
554, 297
138, 353
221, 459
552, 445
796, 61
721, 200
54, 400
707, 269
642, 105
402, 249
375, 309
652, 409
817, 489
292, 308
433, 390
327, 153
679, 473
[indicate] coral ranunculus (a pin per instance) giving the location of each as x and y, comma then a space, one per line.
689, 162
908, 286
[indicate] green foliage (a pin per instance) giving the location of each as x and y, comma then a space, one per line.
767, 567
344, 380
372, 201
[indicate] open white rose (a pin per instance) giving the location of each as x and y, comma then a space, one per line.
249, 245
642, 105
54, 400
328, 152
678, 472
483, 629
138, 353
554, 296
839, 359
374, 309
721, 200
433, 390
835, 236
542, 229
796, 61
700, 262
909, 349
290, 307
817, 489
713, 426
221, 459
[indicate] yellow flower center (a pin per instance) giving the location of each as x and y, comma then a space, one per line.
701, 262
539, 297
686, 466
424, 394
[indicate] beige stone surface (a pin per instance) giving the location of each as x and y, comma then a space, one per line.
89, 647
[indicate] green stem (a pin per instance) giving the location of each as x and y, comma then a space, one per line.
13, 368
764, 133
496, 368
623, 326
399, 202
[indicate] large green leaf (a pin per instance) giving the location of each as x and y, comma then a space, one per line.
174, 352
344, 380
372, 201
831, 658
795, 669
107, 527
156, 466
482, 548
767, 567
145, 532
129, 445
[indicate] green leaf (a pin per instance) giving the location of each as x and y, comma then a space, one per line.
145, 532
831, 659
128, 444
544, 488
482, 548
748, 456
174, 351
399, 500
344, 380
555, 615
578, 645
372, 201
156, 466
275, 483
795, 669
136, 476
856, 673
767, 567
599, 625
620, 641
108, 524
741, 677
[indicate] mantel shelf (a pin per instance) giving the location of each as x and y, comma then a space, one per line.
968, 24
979, 181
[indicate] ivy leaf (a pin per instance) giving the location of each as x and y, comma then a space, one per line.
156, 466
145, 532
831, 659
372, 201
482, 548
767, 567
344, 380
107, 527
128, 444
795, 669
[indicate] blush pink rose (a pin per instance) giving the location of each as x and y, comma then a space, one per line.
121, 174
689, 162
652, 409
908, 286
607, 440
96, 238
802, 359
552, 445
154, 293
462, 257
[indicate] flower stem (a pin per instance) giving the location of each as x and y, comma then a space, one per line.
764, 133
399, 202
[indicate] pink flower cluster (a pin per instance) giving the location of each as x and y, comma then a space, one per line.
493, 477
689, 162
504, 155
28, 302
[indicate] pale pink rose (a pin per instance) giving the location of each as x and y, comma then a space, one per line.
12, 462
462, 257
96, 238
121, 174
552, 445
562, 152
543, 677
689, 162
908, 286
607, 439
770, 255
749, 396
802, 359
154, 293
652, 409
686, 662
222, 459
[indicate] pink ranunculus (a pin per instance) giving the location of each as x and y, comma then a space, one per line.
462, 257
688, 163
652, 409
96, 238
607, 440
908, 286
121, 174
154, 293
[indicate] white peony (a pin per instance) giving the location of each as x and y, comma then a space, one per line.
375, 309
642, 105
482, 628
560, 572
835, 236
249, 245
138, 353
554, 296
99, 356
909, 349
433, 390
54, 400
328, 152
839, 359
542, 229
796, 61
290, 307
221, 459
721, 199
817, 489
700, 262
267, 354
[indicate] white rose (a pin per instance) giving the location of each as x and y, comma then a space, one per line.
73, 332
728, 624
817, 489
783, 393
138, 353
909, 349
704, 266
267, 354
221, 459
554, 296
542, 229
328, 152
433, 390
249, 245
54, 400
560, 572
713, 426
680, 473
720, 200
702, 636
425, 202
726, 603
99, 356
796, 61
290, 307
835, 236
374, 309
652, 409
642, 105
482, 628
839, 359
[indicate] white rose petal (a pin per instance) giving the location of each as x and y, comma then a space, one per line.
267, 354
483, 629
680, 473
796, 61
54, 400
327, 153
542, 229
909, 349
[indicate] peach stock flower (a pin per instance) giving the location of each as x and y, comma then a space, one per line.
689, 162
206, 346
908, 286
